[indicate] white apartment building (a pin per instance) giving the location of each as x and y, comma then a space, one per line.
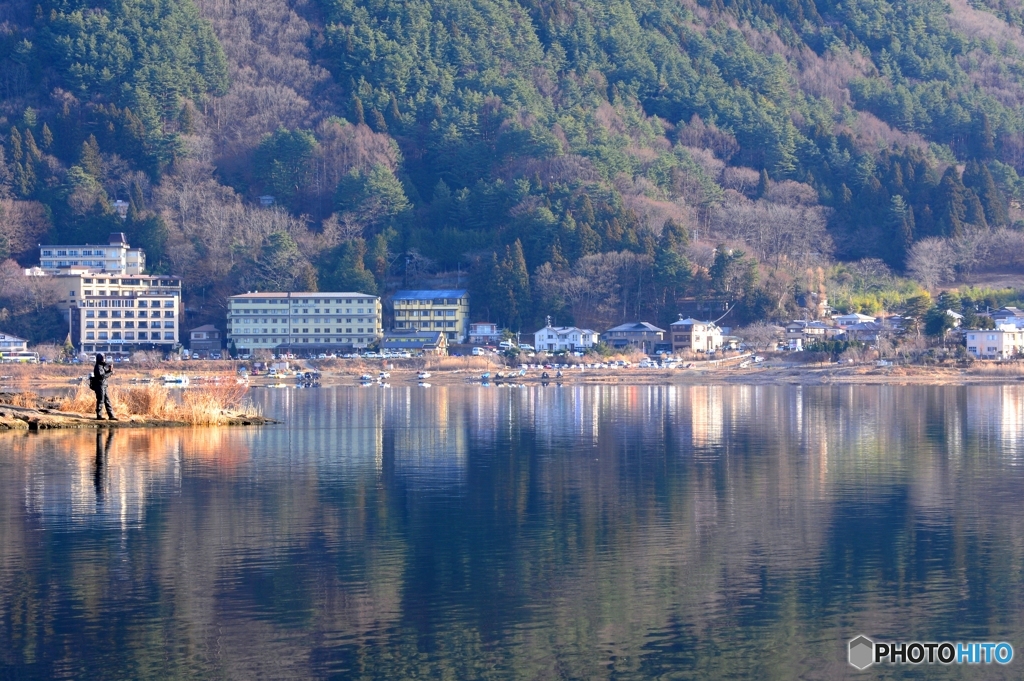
115, 257
128, 321
1001, 343
111, 306
303, 323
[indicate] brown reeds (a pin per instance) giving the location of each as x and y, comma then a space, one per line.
207, 405
1011, 368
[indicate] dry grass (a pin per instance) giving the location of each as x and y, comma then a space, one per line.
206, 405
24, 399
997, 369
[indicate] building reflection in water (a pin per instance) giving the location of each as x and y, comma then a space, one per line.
385, 531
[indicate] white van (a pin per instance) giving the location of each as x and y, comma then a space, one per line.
478, 352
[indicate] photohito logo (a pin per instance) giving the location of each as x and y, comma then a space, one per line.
863, 652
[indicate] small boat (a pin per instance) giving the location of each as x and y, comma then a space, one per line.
366, 378
423, 374
175, 379
486, 376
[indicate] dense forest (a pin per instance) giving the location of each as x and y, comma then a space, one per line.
593, 160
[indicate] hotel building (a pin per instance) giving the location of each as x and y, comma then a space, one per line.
110, 304
303, 322
445, 310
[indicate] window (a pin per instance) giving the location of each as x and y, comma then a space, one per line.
89, 335
168, 325
143, 335
168, 336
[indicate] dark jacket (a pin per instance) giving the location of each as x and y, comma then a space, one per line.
100, 374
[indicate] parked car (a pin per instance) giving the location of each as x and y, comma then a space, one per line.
477, 352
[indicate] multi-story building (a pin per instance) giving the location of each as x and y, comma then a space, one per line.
695, 336
305, 323
483, 333
116, 257
444, 310
110, 304
128, 320
1002, 343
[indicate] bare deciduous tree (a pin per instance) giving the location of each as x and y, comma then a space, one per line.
931, 262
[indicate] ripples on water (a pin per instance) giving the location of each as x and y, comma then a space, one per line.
591, 532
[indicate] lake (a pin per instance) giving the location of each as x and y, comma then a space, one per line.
590, 532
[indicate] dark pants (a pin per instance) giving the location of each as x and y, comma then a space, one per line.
103, 400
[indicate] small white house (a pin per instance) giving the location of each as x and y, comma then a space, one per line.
563, 338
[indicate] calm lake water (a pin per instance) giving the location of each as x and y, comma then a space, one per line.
692, 532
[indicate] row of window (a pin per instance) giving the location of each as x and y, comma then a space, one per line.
439, 301
129, 325
130, 335
425, 325
246, 330
133, 282
303, 310
128, 302
302, 301
317, 320
425, 313
264, 340
128, 314
50, 264
62, 252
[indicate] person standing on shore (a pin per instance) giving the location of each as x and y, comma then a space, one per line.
100, 373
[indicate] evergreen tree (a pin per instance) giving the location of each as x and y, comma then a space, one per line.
978, 178
975, 214
89, 158
764, 183
951, 204
900, 227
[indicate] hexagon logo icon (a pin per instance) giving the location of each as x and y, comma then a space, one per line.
862, 652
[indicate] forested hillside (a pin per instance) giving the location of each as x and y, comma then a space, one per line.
595, 160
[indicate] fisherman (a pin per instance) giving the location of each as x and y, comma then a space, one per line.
100, 373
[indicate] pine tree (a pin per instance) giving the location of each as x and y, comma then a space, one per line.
555, 257
978, 178
900, 228
952, 208
764, 183
983, 139
89, 158
14, 140
358, 117
47, 137
975, 214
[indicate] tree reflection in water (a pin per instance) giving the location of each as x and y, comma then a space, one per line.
628, 532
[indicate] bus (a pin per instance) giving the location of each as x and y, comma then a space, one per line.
19, 357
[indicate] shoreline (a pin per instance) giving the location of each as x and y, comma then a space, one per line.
342, 373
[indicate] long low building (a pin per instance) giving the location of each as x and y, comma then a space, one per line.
305, 322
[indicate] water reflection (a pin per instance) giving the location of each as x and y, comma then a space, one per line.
582, 532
